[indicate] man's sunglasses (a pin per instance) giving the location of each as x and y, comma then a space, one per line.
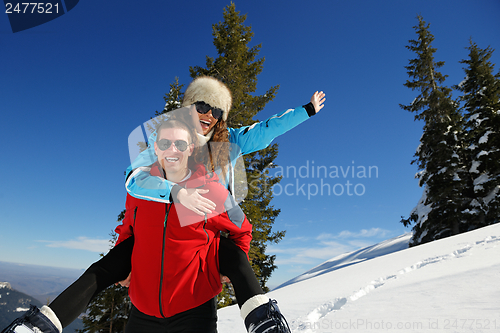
203, 108
164, 144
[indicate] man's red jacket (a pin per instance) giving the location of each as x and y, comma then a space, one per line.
175, 262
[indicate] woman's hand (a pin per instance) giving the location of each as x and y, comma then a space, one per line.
192, 199
317, 100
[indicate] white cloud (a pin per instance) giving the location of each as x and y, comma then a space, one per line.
299, 238
360, 243
364, 233
306, 255
325, 235
313, 250
82, 243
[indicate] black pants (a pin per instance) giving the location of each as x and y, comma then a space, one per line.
115, 266
202, 319
234, 264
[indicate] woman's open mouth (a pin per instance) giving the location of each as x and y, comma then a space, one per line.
205, 124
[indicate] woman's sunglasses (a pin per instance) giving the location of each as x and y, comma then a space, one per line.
203, 108
164, 144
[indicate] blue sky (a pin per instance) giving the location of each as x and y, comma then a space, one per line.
73, 89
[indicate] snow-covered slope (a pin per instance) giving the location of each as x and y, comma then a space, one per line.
389, 246
450, 285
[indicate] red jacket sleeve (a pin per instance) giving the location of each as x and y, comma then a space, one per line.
230, 218
126, 229
240, 234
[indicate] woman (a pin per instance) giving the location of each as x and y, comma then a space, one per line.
213, 102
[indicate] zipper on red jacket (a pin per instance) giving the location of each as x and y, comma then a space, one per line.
206, 233
167, 210
135, 214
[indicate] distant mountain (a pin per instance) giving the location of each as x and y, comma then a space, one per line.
13, 304
32, 284
42, 282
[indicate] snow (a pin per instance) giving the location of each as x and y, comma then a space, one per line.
422, 210
483, 178
477, 119
347, 259
481, 153
461, 84
475, 165
492, 195
449, 285
5, 285
443, 170
484, 138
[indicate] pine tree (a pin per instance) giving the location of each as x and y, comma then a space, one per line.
481, 97
173, 99
108, 311
440, 156
237, 66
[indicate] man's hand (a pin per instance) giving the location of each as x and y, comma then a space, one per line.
193, 200
224, 279
126, 282
317, 100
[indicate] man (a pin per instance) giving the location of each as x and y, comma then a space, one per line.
175, 273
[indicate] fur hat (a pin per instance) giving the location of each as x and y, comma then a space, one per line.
211, 91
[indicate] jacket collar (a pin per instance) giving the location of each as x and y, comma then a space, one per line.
199, 175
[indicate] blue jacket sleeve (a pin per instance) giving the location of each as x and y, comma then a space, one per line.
247, 139
260, 135
140, 184
146, 157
